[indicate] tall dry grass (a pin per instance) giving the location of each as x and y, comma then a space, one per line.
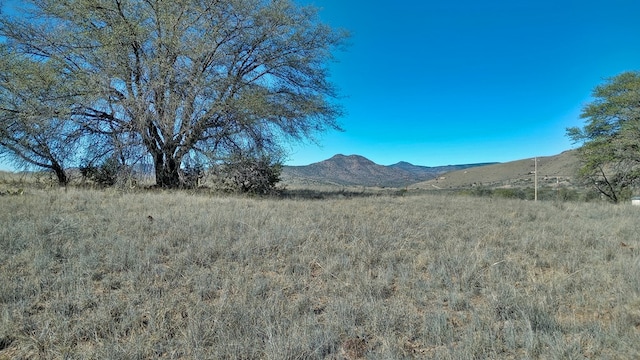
102, 274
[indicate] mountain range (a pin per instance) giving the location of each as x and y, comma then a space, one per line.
358, 170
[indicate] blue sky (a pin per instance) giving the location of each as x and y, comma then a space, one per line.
439, 82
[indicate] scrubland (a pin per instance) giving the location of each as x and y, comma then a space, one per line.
88, 274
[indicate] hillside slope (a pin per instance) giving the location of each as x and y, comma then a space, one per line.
558, 169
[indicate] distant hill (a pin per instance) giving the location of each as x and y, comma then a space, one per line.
358, 170
552, 171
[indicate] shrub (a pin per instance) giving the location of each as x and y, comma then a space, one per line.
105, 174
192, 175
512, 193
565, 194
481, 191
248, 174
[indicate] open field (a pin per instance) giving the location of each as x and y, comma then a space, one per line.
88, 274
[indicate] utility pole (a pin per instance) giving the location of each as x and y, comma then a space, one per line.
535, 181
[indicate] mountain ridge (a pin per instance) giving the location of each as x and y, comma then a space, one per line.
358, 170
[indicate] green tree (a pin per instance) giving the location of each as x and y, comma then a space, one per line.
186, 76
610, 151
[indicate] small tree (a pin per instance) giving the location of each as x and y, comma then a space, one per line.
106, 174
610, 151
254, 174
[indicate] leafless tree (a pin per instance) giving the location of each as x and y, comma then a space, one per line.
185, 76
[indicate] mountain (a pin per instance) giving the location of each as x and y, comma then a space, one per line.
432, 172
345, 170
358, 170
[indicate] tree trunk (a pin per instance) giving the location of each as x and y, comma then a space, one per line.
63, 179
167, 171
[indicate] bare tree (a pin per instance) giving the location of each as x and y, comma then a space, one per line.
35, 130
185, 76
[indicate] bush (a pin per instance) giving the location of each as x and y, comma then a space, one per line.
247, 174
481, 191
565, 194
512, 193
105, 174
192, 175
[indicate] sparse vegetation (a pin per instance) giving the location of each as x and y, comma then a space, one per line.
544, 194
161, 274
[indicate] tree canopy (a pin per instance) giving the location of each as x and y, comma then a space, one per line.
183, 77
610, 138
34, 115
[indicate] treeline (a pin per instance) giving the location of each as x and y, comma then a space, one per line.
529, 194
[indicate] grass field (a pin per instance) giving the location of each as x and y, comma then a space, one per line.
88, 274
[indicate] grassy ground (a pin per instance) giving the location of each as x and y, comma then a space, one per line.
106, 275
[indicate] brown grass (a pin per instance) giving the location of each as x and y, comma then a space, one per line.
109, 275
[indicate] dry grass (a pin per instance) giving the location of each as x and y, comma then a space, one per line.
106, 275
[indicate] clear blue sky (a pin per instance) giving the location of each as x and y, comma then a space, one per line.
438, 82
